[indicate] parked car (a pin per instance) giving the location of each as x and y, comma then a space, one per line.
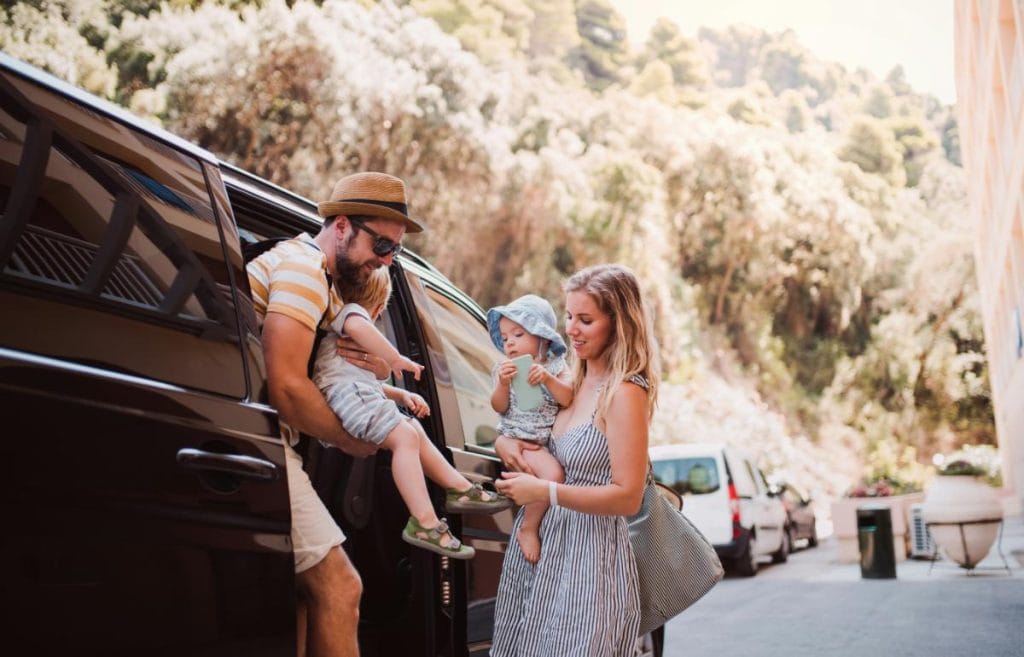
727, 498
143, 482
800, 521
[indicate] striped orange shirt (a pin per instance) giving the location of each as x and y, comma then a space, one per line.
290, 279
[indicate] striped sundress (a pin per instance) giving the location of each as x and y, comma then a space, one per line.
581, 598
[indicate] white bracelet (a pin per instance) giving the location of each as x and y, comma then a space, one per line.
553, 493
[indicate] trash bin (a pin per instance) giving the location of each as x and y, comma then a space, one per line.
874, 534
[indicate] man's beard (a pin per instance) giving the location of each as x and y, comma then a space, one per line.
350, 274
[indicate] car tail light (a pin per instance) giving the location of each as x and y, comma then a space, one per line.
734, 507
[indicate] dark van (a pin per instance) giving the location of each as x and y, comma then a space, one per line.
143, 484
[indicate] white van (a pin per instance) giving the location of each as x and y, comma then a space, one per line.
727, 498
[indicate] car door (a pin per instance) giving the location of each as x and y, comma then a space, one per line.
408, 603
462, 357
143, 493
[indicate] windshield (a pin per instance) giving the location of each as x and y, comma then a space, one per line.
688, 476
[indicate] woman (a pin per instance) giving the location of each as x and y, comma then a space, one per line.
581, 597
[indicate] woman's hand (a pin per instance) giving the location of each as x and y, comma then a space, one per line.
510, 451
415, 403
537, 375
522, 488
351, 351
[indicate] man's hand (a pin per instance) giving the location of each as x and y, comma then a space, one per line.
358, 448
353, 353
415, 403
510, 451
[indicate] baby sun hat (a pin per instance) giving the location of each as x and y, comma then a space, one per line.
532, 313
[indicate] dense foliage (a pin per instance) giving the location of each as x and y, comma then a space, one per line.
801, 229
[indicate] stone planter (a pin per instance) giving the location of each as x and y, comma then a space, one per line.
844, 523
963, 515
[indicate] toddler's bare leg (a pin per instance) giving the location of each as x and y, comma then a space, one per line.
546, 466
404, 444
438, 469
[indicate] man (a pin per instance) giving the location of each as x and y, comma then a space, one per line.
364, 222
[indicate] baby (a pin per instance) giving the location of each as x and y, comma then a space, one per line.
368, 411
527, 326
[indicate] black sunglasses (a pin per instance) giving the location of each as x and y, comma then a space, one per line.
382, 246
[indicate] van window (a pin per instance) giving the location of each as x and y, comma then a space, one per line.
110, 251
688, 476
470, 357
753, 477
742, 475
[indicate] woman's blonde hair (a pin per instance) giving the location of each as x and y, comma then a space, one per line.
375, 292
631, 348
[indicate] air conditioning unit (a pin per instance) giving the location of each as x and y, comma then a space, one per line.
921, 545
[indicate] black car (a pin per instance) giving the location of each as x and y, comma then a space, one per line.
143, 484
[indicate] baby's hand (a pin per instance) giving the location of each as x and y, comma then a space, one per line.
507, 372
415, 403
537, 375
403, 364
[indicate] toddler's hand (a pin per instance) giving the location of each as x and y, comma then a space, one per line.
415, 403
537, 375
507, 372
403, 364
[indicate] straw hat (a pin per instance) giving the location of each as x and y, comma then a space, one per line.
370, 194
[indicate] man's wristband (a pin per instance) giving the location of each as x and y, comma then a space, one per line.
553, 493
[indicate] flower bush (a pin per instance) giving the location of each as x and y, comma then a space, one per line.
972, 460
877, 488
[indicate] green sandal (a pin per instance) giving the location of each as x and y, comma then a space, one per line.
430, 539
472, 500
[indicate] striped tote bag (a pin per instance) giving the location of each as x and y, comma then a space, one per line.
675, 564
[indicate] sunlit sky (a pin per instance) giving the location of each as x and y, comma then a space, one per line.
871, 34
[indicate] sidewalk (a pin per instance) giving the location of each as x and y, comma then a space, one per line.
813, 605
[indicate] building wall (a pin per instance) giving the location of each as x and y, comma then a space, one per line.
989, 57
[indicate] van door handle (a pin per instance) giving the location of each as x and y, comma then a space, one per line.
247, 467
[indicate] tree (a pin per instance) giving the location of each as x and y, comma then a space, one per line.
603, 48
737, 52
494, 29
873, 147
879, 102
553, 31
682, 55
916, 143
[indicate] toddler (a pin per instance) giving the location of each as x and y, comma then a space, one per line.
368, 410
527, 326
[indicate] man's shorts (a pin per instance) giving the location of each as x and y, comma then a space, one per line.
314, 532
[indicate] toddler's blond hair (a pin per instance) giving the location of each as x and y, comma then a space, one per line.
375, 292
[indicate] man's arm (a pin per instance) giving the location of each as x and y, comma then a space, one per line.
287, 345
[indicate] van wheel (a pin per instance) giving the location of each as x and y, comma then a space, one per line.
746, 563
786, 546
813, 540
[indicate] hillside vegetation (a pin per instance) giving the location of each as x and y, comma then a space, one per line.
800, 229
